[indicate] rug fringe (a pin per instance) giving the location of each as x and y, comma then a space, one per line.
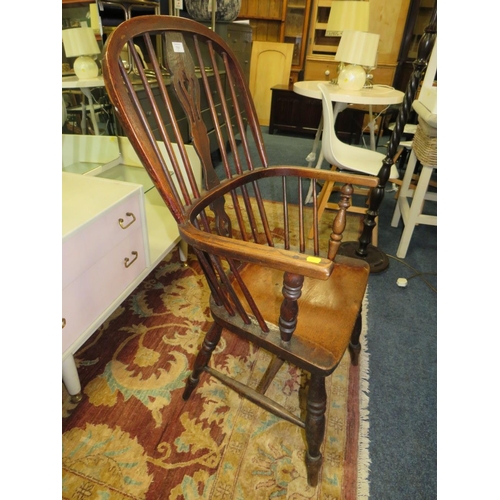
363, 486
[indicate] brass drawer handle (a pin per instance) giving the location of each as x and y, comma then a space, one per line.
129, 262
64, 322
121, 221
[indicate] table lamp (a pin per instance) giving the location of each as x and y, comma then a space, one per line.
347, 15
81, 43
357, 49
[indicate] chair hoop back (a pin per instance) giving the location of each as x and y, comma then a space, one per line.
201, 71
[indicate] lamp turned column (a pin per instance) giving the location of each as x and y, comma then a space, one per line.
363, 248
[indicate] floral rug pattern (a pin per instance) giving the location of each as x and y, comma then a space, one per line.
133, 436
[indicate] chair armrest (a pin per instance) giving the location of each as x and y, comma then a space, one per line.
246, 251
327, 175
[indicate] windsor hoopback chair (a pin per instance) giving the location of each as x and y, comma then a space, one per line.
259, 277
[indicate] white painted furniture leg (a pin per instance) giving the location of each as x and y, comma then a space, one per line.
88, 95
311, 157
71, 379
405, 188
183, 252
412, 212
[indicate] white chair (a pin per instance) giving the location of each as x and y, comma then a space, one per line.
410, 205
342, 156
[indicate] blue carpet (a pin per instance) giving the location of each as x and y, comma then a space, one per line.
402, 326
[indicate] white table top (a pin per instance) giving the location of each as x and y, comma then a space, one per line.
73, 82
85, 197
377, 95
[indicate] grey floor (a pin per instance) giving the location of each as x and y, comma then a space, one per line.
402, 331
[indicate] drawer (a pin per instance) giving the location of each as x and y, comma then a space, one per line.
92, 293
94, 240
316, 69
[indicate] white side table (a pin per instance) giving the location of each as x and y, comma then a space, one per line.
73, 82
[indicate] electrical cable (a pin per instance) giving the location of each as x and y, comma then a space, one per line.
374, 119
417, 274
383, 86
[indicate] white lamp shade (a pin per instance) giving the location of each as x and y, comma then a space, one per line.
347, 15
80, 42
358, 47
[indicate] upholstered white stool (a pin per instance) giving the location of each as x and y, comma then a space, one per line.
411, 198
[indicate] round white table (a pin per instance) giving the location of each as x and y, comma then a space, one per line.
376, 95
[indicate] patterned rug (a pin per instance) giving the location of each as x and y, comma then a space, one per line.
133, 437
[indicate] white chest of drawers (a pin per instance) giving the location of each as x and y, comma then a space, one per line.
103, 180
104, 250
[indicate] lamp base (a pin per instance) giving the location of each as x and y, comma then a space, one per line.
352, 77
85, 67
376, 259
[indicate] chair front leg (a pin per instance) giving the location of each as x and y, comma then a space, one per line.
209, 344
354, 344
315, 427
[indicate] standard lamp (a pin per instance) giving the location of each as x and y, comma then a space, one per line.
81, 43
357, 49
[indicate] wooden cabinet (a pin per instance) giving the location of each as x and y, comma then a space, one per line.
284, 21
270, 66
419, 16
387, 18
181, 116
296, 25
292, 112
239, 38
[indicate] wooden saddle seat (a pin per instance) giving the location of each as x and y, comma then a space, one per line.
270, 284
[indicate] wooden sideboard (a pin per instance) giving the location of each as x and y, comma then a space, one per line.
292, 112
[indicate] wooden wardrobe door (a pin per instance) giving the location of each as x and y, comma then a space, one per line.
270, 65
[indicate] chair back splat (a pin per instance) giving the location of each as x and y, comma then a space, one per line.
269, 283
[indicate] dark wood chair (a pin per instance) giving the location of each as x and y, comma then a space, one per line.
276, 288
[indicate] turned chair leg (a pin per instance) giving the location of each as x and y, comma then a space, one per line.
209, 344
315, 427
354, 344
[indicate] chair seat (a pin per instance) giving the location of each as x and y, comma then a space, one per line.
409, 128
362, 160
331, 306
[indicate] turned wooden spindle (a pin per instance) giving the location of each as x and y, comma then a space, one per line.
340, 220
378, 261
292, 289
